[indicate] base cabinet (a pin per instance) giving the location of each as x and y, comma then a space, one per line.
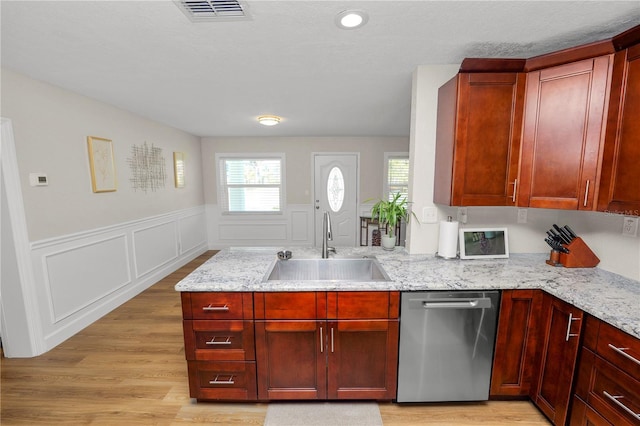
561, 330
608, 380
336, 345
516, 342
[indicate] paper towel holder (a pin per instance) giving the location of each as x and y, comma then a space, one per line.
438, 253
484, 243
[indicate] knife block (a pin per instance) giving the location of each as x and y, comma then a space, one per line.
579, 256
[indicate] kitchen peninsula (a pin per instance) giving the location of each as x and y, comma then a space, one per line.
605, 295
567, 338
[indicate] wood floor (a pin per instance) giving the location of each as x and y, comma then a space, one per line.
128, 368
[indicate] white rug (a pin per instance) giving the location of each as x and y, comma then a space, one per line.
323, 414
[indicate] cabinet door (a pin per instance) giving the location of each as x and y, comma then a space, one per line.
619, 188
562, 325
516, 342
291, 359
563, 122
478, 139
362, 359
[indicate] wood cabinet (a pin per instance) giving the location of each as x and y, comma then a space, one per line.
219, 345
319, 345
516, 342
562, 134
608, 381
478, 139
560, 334
619, 187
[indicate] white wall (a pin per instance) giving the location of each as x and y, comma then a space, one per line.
51, 126
86, 253
601, 231
295, 225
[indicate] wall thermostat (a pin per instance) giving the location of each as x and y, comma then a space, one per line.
38, 179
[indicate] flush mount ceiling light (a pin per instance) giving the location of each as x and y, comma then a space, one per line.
269, 120
351, 19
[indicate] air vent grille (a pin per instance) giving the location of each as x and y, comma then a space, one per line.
213, 10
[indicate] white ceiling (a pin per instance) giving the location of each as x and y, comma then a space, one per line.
290, 59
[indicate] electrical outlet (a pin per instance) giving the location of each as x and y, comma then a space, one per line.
630, 226
429, 215
522, 215
462, 214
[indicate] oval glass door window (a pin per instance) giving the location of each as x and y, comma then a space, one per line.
335, 189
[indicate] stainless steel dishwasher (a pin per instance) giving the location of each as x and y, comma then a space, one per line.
446, 345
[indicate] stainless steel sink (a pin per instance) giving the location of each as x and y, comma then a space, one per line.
361, 269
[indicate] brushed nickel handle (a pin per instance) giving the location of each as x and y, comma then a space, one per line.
622, 352
515, 185
210, 308
321, 342
615, 399
331, 339
213, 341
586, 194
216, 381
571, 318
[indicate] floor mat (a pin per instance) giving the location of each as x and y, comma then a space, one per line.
323, 414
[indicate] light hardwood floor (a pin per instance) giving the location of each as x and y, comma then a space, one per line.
128, 368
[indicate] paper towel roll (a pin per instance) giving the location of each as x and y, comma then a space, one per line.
448, 240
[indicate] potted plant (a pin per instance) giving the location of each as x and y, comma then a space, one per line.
387, 213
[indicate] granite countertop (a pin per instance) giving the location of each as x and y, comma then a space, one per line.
605, 295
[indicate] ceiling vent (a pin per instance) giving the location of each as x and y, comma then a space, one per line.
213, 10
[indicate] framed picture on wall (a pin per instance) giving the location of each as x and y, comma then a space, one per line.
484, 243
178, 169
102, 164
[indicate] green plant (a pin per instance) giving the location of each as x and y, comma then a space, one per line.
388, 212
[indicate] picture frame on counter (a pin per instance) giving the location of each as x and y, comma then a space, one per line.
484, 243
102, 164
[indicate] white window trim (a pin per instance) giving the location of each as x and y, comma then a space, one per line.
220, 178
385, 177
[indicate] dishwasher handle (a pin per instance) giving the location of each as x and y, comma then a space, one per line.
474, 303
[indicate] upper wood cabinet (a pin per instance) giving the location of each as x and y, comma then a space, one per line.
478, 139
563, 128
620, 181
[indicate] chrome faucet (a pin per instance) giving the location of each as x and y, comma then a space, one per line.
326, 236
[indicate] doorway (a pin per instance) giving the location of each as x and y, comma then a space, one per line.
335, 190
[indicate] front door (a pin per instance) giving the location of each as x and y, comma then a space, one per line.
335, 191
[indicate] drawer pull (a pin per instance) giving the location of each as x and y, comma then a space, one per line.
620, 404
210, 308
213, 341
622, 352
217, 381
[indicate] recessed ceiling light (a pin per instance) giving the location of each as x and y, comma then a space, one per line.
269, 120
351, 19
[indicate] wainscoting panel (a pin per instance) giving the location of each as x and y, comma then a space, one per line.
81, 277
294, 227
193, 232
154, 246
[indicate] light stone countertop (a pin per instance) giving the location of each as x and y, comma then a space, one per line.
605, 295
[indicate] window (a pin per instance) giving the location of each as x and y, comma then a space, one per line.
251, 183
396, 174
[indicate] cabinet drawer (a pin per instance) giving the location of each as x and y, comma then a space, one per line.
619, 348
210, 305
363, 304
612, 393
583, 415
235, 381
291, 305
219, 340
